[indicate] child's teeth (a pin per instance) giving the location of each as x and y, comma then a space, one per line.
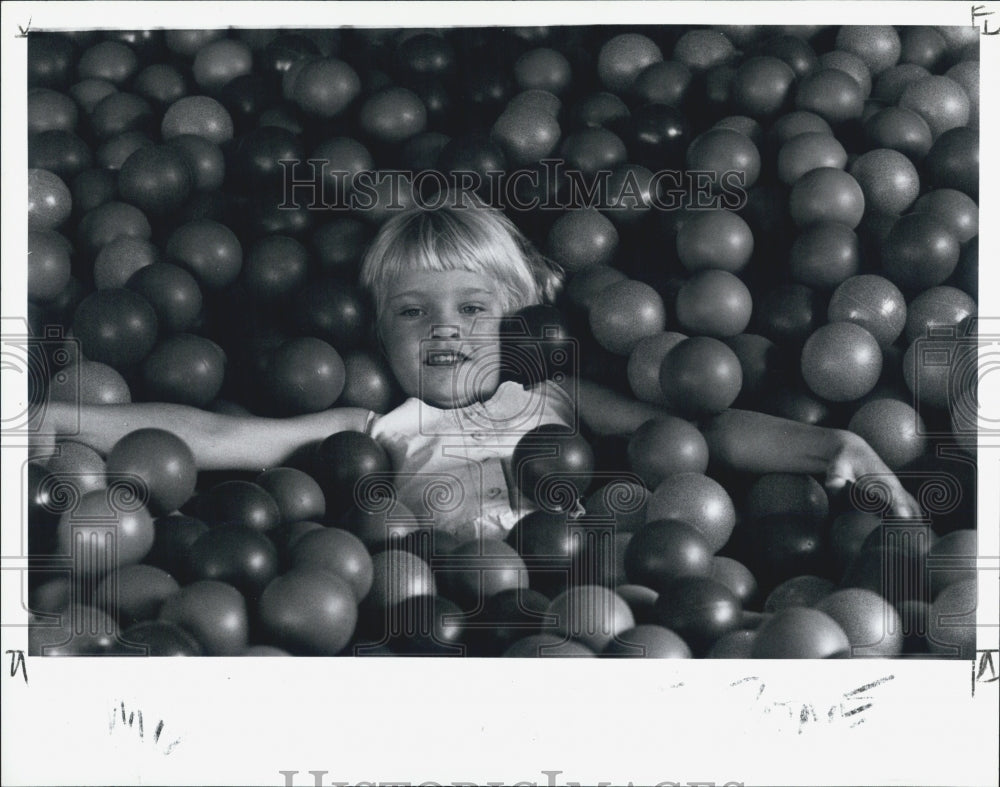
442, 358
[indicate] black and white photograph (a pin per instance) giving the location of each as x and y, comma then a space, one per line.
510, 393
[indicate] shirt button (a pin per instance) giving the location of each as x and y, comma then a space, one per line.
494, 491
479, 435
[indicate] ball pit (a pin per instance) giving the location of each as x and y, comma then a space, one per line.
830, 244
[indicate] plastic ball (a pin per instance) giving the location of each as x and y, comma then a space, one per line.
398, 575
827, 194
199, 115
716, 239
953, 161
830, 93
239, 503
526, 135
108, 60
593, 150
701, 49
204, 159
664, 446
805, 590
792, 124
824, 255
623, 501
162, 461
341, 462
49, 267
714, 303
786, 493
161, 638
297, 494
808, 151
956, 209
725, 151
700, 375
841, 362
237, 555
648, 641
698, 501
952, 559
581, 239
543, 69
735, 576
77, 465
761, 86
220, 62
899, 129
878, 45
623, 58
49, 200
309, 612
483, 568
939, 100
187, 43
172, 538
393, 115
800, 633
184, 368
848, 533
699, 609
921, 251
86, 528
888, 179
644, 365
325, 87
210, 250
850, 64
161, 84
115, 326
936, 308
547, 645
592, 615
874, 303
90, 382
624, 314
734, 645
966, 74
873, 627
62, 153
550, 462
275, 267
171, 291
120, 259
952, 626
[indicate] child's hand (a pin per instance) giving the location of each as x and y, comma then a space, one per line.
857, 459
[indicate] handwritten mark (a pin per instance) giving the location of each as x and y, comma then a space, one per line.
17, 662
984, 669
133, 720
804, 714
980, 11
24, 30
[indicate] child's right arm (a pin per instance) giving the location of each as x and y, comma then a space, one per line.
218, 442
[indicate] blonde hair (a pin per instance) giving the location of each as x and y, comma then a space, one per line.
460, 236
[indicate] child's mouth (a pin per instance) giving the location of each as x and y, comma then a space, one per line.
445, 358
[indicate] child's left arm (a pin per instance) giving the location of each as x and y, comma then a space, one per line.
755, 442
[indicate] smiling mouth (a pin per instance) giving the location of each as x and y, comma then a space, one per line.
445, 358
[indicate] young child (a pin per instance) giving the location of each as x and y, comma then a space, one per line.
441, 280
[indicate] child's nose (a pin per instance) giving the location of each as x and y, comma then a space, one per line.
445, 332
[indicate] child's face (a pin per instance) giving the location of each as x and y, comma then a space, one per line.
426, 325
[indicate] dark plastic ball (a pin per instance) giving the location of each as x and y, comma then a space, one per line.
841, 362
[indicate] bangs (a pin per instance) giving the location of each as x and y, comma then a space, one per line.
476, 240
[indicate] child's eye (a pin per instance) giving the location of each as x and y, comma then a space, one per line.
473, 308
413, 311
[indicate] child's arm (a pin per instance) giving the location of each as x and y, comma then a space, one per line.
218, 442
755, 442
